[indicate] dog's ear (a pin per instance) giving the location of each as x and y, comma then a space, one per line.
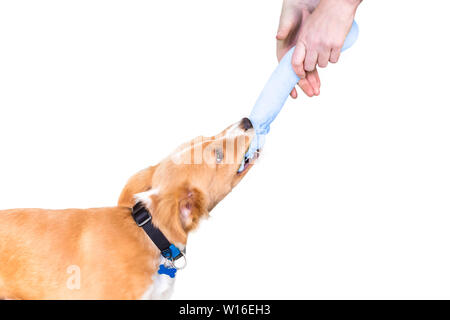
180, 209
191, 207
140, 182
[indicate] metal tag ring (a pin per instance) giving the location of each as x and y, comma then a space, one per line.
183, 265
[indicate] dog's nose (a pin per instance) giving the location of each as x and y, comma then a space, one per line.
246, 124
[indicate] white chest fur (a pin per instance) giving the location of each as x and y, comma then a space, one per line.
161, 287
162, 284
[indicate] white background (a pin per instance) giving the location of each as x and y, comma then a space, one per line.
351, 198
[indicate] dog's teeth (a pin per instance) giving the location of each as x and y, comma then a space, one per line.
241, 168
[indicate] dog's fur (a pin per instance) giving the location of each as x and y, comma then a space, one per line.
42, 250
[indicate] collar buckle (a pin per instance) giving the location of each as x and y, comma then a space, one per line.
141, 215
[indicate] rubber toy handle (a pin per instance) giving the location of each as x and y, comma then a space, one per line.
277, 90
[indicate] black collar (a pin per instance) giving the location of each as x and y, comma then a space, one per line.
143, 219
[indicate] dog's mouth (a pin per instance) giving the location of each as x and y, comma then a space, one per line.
247, 162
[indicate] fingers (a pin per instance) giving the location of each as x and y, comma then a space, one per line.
323, 58
334, 55
311, 60
311, 84
297, 59
294, 94
310, 56
300, 50
306, 87
313, 78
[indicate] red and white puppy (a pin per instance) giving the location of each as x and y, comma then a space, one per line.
101, 253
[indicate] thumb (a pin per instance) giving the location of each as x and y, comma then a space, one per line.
288, 21
284, 28
298, 58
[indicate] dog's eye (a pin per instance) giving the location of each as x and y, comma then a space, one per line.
219, 155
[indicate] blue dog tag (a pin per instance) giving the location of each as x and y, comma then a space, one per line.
168, 271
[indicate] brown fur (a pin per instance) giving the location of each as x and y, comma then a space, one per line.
116, 258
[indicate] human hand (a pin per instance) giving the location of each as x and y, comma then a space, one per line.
318, 37
322, 35
293, 15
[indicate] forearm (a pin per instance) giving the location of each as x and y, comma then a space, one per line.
345, 7
312, 4
308, 4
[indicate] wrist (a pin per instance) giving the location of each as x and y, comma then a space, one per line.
353, 3
345, 8
349, 4
310, 5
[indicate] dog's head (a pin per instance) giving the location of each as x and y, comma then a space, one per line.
186, 185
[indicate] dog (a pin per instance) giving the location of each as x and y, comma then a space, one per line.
108, 253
